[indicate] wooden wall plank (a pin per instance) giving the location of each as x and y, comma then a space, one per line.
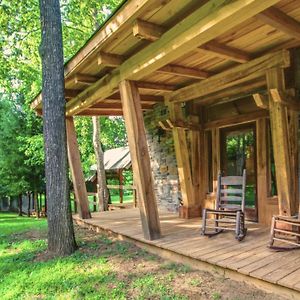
76, 170
140, 158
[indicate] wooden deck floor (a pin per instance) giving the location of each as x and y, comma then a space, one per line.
250, 257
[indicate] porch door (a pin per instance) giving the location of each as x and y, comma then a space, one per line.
238, 152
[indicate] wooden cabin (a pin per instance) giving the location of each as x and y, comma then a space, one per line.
203, 86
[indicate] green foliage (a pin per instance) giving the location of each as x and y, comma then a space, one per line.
21, 153
27, 273
113, 135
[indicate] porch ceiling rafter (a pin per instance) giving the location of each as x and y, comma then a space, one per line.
282, 22
203, 25
232, 77
152, 32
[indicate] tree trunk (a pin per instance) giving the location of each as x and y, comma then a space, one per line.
36, 205
45, 197
101, 177
29, 202
20, 205
61, 240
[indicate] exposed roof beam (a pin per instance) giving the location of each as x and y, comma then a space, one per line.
282, 22
225, 51
116, 106
144, 98
152, 32
184, 71
242, 73
84, 79
261, 100
244, 118
285, 99
71, 93
203, 25
100, 112
155, 86
232, 93
147, 31
110, 60
122, 18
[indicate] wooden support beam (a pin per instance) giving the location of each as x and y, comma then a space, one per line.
262, 153
233, 93
203, 25
184, 71
115, 106
138, 147
285, 99
147, 31
110, 60
189, 208
85, 79
282, 22
226, 52
261, 101
243, 73
282, 139
240, 119
144, 98
152, 32
69, 94
89, 112
216, 158
155, 86
76, 170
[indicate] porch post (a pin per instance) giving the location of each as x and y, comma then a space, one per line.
191, 207
284, 138
262, 171
134, 122
76, 170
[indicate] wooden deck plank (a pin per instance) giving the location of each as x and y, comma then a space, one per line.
283, 271
250, 257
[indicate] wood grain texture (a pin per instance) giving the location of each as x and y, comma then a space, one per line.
134, 122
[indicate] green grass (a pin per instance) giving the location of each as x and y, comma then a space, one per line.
92, 272
102, 268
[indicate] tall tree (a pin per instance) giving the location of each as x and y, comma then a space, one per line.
102, 190
61, 240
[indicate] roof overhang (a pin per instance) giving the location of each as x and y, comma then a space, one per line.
184, 51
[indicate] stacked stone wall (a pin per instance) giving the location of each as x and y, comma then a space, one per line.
163, 160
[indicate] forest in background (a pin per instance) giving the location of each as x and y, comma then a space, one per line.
21, 139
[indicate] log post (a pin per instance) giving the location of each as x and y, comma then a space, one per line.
262, 171
284, 134
190, 206
76, 170
134, 122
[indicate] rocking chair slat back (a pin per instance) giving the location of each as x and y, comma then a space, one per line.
231, 192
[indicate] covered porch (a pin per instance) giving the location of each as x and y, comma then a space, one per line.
219, 69
249, 261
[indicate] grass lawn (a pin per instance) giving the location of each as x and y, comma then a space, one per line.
102, 268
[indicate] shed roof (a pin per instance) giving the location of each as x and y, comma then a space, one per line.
115, 159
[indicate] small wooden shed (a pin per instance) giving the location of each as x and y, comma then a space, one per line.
116, 160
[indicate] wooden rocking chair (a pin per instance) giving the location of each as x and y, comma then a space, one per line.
230, 208
285, 230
